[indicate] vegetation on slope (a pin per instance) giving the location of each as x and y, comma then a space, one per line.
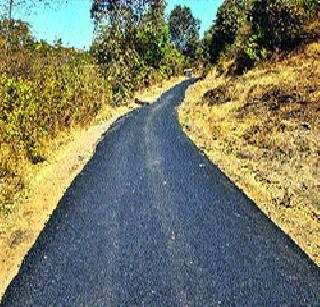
43, 90
250, 32
46, 90
260, 123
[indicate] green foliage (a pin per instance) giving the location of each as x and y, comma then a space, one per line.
173, 63
151, 46
278, 24
230, 16
184, 31
311, 8
254, 30
71, 93
255, 51
132, 45
43, 90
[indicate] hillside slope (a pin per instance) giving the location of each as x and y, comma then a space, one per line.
262, 130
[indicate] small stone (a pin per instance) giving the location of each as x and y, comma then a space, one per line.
173, 236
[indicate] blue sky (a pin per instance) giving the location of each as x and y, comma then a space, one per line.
72, 21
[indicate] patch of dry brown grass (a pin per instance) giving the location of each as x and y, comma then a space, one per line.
265, 136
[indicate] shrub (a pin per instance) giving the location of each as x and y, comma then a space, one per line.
276, 25
219, 95
250, 31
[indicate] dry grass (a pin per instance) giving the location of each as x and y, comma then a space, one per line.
265, 137
42, 93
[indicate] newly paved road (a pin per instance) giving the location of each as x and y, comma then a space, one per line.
151, 222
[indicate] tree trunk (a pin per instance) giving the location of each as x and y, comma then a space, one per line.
10, 10
9, 28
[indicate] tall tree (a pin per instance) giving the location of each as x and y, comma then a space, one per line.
128, 37
9, 5
231, 14
119, 21
184, 30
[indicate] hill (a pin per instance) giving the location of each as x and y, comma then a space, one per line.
262, 130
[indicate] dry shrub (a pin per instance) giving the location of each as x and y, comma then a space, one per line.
296, 99
11, 176
240, 64
272, 97
42, 92
219, 95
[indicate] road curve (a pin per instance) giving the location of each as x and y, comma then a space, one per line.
151, 222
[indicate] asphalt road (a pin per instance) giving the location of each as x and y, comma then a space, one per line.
151, 222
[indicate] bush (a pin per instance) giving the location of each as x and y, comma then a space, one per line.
47, 89
250, 31
219, 95
276, 25
311, 8
57, 92
242, 62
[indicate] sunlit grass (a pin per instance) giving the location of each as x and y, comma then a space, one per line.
270, 151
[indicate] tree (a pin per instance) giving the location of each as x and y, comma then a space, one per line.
152, 46
129, 40
128, 24
116, 23
9, 5
230, 16
184, 30
277, 25
248, 31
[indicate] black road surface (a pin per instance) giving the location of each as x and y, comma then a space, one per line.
151, 222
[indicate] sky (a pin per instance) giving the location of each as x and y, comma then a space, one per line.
71, 21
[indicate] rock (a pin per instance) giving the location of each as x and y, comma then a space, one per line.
306, 126
140, 102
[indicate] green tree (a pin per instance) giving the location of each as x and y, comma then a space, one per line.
184, 30
230, 16
276, 24
152, 46
130, 41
